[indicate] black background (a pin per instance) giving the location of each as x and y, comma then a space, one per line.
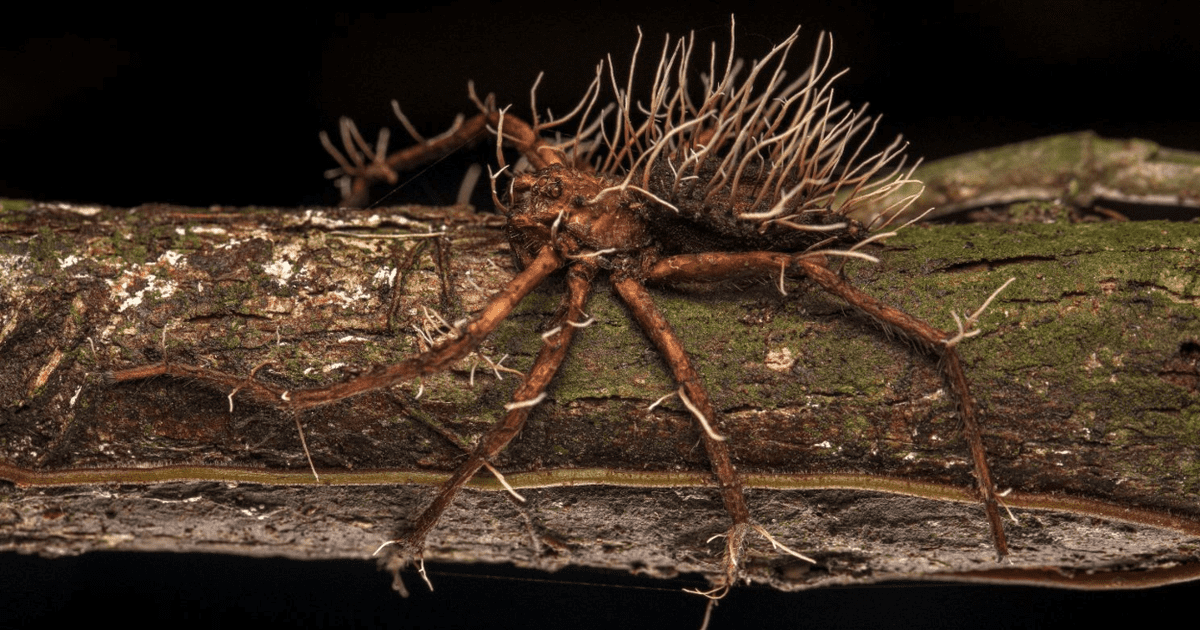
224, 108
211, 108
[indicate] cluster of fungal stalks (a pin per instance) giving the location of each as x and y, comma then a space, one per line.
735, 171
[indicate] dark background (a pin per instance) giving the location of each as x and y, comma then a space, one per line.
204, 109
209, 591
225, 108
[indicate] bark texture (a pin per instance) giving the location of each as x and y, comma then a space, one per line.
1087, 369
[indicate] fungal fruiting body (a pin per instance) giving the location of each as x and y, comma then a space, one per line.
729, 171
750, 172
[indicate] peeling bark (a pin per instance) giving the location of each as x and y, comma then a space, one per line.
1087, 370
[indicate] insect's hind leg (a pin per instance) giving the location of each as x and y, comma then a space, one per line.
950, 365
728, 265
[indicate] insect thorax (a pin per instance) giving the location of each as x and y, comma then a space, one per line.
573, 209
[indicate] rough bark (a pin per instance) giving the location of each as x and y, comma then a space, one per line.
1086, 368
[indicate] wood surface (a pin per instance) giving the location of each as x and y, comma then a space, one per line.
1086, 369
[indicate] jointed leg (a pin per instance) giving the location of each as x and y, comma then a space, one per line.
545, 366
950, 365
363, 166
660, 333
710, 267
435, 360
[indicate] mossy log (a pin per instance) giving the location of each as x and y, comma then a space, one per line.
1086, 368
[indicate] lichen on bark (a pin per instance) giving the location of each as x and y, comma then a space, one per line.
1087, 370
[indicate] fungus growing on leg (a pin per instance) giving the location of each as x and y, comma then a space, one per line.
734, 171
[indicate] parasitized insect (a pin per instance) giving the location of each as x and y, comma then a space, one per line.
737, 171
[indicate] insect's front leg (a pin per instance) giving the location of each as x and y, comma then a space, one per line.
363, 166
527, 396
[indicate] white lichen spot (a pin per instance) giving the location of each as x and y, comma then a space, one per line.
352, 338
165, 289
331, 367
348, 298
69, 261
824, 444
320, 219
1092, 363
11, 264
170, 258
205, 229
780, 360
387, 274
910, 457
87, 211
281, 269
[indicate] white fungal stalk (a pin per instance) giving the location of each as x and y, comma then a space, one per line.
783, 150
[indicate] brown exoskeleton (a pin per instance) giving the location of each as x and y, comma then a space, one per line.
749, 174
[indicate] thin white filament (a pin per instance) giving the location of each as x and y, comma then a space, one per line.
304, 443
780, 546
532, 402
584, 324
699, 416
659, 401
504, 482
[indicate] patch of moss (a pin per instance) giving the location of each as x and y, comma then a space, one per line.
611, 358
9, 209
46, 246
231, 295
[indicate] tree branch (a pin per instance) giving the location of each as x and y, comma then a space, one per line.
1086, 370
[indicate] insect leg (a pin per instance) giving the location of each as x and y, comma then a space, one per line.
545, 366
728, 265
950, 365
656, 327
361, 174
435, 360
